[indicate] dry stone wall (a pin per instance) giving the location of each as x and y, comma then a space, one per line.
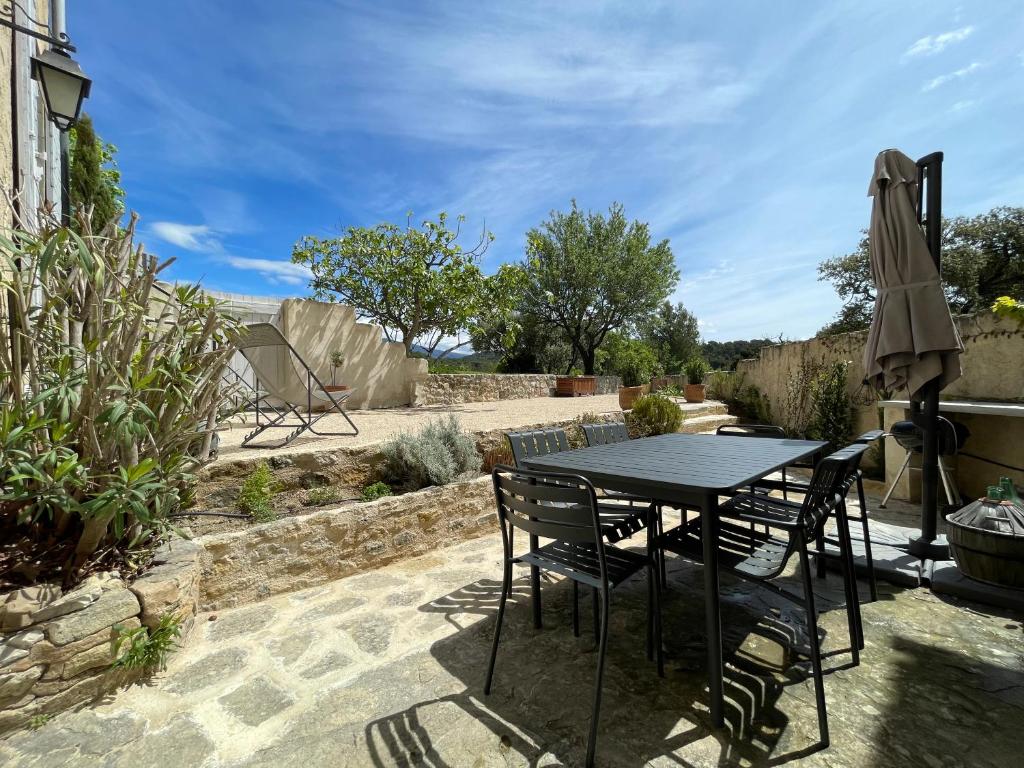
454, 388
299, 552
56, 649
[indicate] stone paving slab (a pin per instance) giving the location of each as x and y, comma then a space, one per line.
386, 669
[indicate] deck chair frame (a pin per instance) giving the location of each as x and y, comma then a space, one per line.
271, 416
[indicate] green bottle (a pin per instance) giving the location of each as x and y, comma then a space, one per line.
1009, 491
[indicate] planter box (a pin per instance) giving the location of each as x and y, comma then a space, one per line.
575, 386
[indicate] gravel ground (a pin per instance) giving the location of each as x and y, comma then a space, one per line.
378, 425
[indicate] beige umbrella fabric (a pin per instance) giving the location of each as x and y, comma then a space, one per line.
912, 338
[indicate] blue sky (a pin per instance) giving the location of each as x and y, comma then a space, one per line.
744, 132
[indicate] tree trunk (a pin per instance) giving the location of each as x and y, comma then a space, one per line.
588, 356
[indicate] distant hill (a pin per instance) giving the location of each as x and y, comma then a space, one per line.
723, 355
419, 351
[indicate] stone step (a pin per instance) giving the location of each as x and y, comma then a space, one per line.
706, 423
707, 408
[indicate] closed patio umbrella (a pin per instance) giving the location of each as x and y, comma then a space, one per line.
912, 339
912, 343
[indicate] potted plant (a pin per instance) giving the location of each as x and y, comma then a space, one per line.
337, 360
696, 369
635, 384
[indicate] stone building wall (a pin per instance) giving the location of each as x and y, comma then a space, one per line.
56, 650
455, 388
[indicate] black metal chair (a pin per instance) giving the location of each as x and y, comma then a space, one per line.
565, 508
621, 516
760, 555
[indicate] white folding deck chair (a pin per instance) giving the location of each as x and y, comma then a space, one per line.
284, 385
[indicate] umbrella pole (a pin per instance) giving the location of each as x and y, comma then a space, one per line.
926, 412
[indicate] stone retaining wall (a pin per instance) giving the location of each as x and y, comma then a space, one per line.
453, 388
299, 552
56, 650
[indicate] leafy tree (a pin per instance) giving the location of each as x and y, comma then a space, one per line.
93, 176
588, 274
982, 259
723, 355
633, 360
674, 334
418, 284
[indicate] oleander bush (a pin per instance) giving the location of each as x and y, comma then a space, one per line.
110, 395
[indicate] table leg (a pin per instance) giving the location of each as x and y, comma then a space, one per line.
713, 611
535, 584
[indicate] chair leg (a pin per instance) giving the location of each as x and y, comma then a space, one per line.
506, 588
869, 559
535, 585
597, 615
888, 493
575, 608
849, 584
812, 631
603, 644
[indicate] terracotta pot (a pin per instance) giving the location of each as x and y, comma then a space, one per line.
629, 395
336, 388
694, 393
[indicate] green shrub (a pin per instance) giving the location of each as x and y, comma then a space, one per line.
632, 360
440, 454
574, 432
375, 491
696, 369
325, 494
654, 415
255, 497
142, 648
831, 407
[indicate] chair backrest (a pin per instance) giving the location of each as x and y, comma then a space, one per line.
606, 432
751, 430
538, 442
828, 485
554, 506
279, 369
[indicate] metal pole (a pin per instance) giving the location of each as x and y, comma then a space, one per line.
58, 28
927, 412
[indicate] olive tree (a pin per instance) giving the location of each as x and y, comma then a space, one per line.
588, 274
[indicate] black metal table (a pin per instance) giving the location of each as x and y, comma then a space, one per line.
689, 471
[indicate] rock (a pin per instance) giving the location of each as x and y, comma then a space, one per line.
19, 606
207, 671
182, 742
332, 662
101, 655
48, 653
82, 596
9, 654
280, 462
255, 701
111, 607
372, 633
16, 684
314, 480
240, 622
24, 639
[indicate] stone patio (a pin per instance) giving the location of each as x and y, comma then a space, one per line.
386, 668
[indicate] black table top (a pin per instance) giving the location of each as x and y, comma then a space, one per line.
678, 463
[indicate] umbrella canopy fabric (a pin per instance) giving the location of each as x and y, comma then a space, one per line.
912, 339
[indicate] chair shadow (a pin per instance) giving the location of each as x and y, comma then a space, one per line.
541, 698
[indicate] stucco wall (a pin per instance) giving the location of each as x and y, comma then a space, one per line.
378, 371
993, 369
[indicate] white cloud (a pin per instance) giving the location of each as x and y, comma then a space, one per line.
273, 270
935, 82
933, 44
960, 106
191, 237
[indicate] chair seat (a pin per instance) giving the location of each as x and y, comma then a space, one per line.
754, 553
767, 509
579, 562
620, 522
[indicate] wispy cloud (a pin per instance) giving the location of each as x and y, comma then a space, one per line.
933, 44
191, 237
273, 270
935, 82
963, 105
